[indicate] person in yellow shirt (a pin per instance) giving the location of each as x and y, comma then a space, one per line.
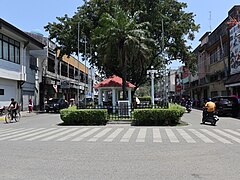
209, 107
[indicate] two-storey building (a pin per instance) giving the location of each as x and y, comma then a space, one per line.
17, 65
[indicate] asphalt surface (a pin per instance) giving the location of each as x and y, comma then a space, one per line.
39, 148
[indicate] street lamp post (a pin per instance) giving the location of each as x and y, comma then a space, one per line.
152, 73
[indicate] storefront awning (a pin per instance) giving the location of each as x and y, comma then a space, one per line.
233, 80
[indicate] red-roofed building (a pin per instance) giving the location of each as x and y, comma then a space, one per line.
113, 84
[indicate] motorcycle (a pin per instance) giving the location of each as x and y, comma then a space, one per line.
188, 108
211, 117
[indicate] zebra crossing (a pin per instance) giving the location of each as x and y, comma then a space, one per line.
122, 135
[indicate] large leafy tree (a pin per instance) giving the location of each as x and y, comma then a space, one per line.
166, 16
121, 38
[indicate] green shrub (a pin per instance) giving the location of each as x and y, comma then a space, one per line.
73, 116
158, 117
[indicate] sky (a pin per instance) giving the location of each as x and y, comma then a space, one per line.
29, 15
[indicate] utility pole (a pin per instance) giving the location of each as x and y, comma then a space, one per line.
78, 89
85, 59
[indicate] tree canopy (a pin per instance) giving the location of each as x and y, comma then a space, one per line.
127, 37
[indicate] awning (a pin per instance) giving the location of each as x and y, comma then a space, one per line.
233, 80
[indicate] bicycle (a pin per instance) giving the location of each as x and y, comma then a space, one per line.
10, 114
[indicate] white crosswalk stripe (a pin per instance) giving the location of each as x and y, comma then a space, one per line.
92, 131
100, 134
171, 136
156, 135
127, 135
111, 137
186, 136
141, 135
14, 132
44, 135
233, 132
227, 135
59, 134
216, 136
122, 135
32, 134
20, 134
201, 136
73, 134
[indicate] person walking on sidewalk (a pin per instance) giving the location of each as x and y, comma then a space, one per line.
30, 105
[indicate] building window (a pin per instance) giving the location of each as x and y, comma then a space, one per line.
9, 49
1, 50
1, 92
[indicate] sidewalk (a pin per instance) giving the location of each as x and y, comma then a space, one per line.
33, 113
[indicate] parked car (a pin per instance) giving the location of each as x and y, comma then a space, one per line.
89, 102
226, 105
56, 105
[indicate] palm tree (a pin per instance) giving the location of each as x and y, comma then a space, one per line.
119, 38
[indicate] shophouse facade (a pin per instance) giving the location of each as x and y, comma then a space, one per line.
60, 77
233, 81
17, 65
218, 57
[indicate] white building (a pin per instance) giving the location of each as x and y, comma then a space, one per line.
17, 65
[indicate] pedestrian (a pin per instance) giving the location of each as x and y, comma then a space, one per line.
30, 105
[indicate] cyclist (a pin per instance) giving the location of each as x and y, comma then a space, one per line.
13, 107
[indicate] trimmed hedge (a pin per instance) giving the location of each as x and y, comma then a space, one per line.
73, 116
158, 117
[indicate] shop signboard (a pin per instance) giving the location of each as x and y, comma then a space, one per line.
65, 84
234, 33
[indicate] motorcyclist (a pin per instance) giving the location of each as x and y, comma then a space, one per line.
208, 108
188, 104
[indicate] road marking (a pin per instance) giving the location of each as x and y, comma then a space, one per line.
127, 135
156, 135
186, 136
59, 134
44, 135
72, 134
100, 134
14, 132
32, 134
141, 135
86, 134
113, 135
227, 135
17, 135
201, 136
216, 136
171, 136
233, 132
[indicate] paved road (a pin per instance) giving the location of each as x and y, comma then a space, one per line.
38, 148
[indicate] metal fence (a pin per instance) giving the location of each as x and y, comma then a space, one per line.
123, 112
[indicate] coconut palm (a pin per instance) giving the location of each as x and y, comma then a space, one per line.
120, 41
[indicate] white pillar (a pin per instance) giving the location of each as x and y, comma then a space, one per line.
106, 96
114, 100
130, 96
99, 97
152, 78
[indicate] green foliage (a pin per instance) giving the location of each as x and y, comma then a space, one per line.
73, 116
145, 98
137, 23
158, 117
